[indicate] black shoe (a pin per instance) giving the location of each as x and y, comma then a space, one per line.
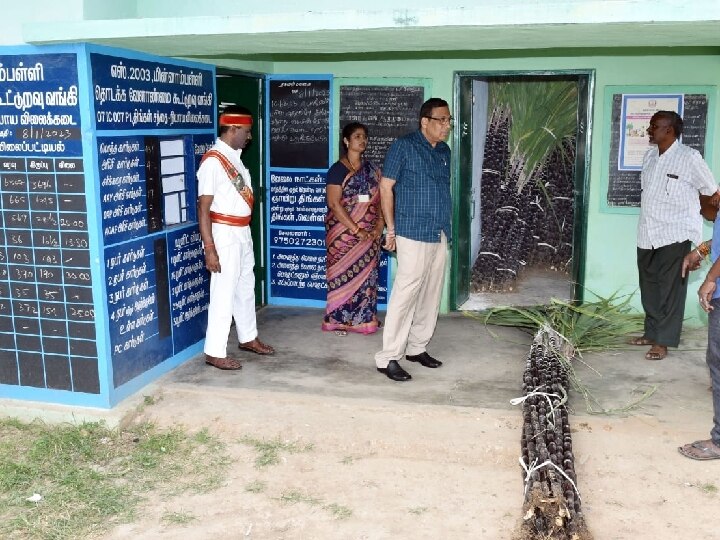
395, 372
425, 360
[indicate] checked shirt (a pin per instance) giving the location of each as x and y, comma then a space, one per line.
669, 203
422, 187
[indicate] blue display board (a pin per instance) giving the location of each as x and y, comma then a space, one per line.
147, 163
122, 187
39, 105
102, 285
147, 94
299, 149
47, 313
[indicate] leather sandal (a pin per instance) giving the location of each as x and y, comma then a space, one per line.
656, 352
222, 363
256, 346
701, 450
640, 340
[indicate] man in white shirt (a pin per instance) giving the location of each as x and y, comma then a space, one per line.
673, 176
225, 202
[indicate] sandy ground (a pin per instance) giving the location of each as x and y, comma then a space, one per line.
419, 471
434, 458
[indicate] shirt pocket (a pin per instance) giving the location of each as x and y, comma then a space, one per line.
679, 177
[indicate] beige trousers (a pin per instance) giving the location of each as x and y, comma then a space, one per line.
415, 299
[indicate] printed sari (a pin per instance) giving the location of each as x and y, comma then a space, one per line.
352, 265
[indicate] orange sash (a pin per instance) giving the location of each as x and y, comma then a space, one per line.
225, 219
235, 177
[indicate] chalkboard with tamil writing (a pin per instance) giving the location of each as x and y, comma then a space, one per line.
299, 123
388, 111
624, 186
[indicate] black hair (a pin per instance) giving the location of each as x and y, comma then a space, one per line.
231, 109
675, 120
427, 107
347, 132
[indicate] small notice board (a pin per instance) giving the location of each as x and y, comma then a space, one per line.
629, 110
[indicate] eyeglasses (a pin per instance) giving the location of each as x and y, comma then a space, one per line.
445, 120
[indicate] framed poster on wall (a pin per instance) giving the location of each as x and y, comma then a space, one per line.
636, 112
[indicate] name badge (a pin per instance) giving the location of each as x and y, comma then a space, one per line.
364, 198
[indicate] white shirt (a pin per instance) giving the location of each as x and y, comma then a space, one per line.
213, 180
669, 202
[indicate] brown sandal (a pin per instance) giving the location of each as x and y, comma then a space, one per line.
656, 352
701, 450
222, 363
640, 340
256, 346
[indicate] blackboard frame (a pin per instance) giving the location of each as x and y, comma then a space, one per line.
609, 102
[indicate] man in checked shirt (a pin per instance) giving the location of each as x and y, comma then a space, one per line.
672, 177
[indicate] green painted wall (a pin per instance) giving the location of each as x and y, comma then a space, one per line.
14, 14
611, 248
110, 10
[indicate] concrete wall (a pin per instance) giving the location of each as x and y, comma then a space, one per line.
98, 9
611, 255
14, 14
610, 263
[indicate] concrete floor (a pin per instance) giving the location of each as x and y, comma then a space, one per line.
309, 360
535, 287
482, 368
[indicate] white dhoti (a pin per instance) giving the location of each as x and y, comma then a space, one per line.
232, 295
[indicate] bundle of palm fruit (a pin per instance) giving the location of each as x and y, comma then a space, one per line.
527, 184
552, 508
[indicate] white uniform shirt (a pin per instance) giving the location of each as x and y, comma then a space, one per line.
669, 202
213, 180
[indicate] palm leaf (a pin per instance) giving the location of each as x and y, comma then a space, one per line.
592, 326
544, 114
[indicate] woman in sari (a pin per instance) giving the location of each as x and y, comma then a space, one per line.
353, 226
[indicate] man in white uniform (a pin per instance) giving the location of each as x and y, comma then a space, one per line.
225, 203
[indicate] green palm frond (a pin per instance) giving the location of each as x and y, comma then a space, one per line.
592, 326
544, 114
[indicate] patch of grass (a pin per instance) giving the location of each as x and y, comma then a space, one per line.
256, 487
294, 496
347, 460
709, 488
178, 518
269, 450
338, 511
91, 477
418, 510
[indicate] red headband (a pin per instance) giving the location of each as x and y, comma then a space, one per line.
234, 119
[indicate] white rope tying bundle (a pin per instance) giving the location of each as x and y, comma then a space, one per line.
535, 467
519, 400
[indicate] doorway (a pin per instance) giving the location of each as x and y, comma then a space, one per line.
521, 182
